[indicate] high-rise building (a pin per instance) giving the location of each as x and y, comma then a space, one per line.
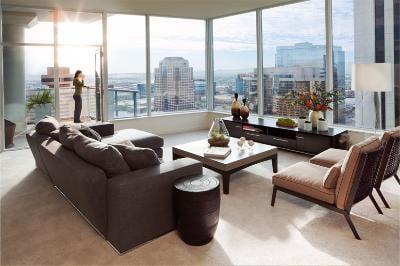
308, 55
246, 86
174, 85
279, 81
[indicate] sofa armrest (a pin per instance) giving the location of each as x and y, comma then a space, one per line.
140, 203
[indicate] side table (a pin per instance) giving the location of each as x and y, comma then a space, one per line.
197, 202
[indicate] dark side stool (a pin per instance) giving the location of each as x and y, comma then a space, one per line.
197, 200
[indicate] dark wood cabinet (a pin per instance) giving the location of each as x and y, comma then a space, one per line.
265, 130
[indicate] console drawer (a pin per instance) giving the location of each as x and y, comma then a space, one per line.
257, 137
281, 142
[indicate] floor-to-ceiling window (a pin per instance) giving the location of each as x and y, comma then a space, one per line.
80, 42
294, 54
126, 42
177, 64
235, 61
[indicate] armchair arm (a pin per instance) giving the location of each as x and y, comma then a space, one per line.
140, 204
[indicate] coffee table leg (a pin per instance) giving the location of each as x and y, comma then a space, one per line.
225, 181
275, 163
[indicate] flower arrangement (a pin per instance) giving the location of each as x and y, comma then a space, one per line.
316, 99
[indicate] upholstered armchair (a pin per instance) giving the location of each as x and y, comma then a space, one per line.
389, 164
339, 187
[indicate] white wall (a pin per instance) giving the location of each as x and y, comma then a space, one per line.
170, 123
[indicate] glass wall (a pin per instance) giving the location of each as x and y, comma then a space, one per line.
178, 64
126, 36
294, 53
235, 61
80, 41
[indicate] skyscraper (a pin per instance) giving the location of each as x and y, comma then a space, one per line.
174, 85
306, 55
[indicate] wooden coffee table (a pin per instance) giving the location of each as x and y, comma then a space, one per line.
237, 160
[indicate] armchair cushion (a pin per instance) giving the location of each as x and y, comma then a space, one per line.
388, 134
349, 169
329, 157
305, 178
331, 177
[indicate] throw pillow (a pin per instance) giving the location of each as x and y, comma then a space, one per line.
332, 175
55, 134
88, 132
101, 155
47, 125
137, 158
67, 135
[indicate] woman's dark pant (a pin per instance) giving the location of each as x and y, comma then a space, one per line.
78, 108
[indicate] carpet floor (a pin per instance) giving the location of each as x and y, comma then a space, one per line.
39, 227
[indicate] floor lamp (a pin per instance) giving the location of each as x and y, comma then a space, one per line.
375, 77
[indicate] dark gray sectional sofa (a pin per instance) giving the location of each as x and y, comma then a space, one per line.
127, 209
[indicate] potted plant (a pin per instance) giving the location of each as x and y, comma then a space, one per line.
322, 125
307, 125
42, 102
317, 100
300, 121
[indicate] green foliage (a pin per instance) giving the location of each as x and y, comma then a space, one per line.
282, 121
40, 99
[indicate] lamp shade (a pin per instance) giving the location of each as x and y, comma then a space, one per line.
376, 77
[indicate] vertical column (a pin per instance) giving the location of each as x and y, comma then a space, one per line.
210, 64
396, 44
148, 66
379, 98
260, 65
2, 142
56, 69
390, 103
104, 57
329, 58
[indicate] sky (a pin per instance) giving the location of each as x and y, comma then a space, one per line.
234, 38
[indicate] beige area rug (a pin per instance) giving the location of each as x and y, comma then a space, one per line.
38, 226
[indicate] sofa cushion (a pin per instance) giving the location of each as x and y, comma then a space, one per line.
349, 169
137, 137
67, 135
137, 158
329, 157
55, 134
47, 125
90, 133
305, 178
331, 177
101, 155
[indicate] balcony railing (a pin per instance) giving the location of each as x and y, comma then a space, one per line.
122, 102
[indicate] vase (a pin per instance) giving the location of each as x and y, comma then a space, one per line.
244, 110
218, 135
235, 107
300, 123
314, 116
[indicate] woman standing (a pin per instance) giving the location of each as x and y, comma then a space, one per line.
78, 84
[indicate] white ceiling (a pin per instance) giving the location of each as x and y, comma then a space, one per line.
200, 9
